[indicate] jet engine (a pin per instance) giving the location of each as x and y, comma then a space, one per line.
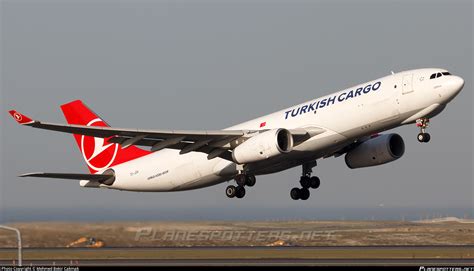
376, 151
263, 146
110, 180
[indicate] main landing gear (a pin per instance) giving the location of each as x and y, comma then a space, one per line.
306, 182
423, 124
242, 180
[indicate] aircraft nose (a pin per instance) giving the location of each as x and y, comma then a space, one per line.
458, 83
455, 85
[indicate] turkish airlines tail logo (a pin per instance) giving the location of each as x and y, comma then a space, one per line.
97, 152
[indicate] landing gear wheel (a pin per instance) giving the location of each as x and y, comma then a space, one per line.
250, 180
240, 192
240, 179
314, 182
230, 191
427, 138
424, 137
305, 181
295, 193
304, 193
421, 137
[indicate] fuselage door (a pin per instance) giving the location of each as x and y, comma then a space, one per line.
407, 85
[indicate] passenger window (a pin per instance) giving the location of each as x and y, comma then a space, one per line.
433, 76
438, 75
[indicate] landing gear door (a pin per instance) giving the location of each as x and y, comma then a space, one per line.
407, 85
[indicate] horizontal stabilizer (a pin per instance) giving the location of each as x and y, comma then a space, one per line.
102, 178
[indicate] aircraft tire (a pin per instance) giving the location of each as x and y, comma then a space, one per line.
427, 138
304, 194
295, 193
305, 181
250, 180
240, 192
315, 182
230, 191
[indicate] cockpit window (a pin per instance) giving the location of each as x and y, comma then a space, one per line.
439, 74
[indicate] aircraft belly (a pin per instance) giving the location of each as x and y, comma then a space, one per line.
320, 143
204, 181
195, 171
311, 149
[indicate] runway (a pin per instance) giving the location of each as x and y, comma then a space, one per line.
241, 256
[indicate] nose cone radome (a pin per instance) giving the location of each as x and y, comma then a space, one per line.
454, 86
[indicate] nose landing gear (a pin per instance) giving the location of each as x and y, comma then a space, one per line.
306, 182
423, 124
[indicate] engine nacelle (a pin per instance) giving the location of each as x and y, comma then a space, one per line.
94, 184
263, 146
376, 151
110, 180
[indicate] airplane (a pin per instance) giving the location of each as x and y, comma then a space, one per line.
348, 122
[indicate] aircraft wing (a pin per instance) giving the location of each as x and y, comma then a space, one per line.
216, 143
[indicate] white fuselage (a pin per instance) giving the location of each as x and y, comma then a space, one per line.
346, 115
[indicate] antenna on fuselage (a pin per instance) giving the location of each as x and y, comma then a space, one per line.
392, 72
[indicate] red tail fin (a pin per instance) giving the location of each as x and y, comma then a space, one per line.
97, 152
